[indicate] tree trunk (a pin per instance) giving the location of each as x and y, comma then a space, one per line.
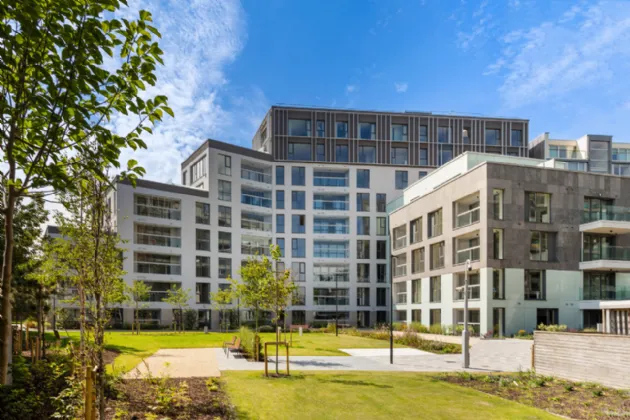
277, 345
7, 270
82, 321
40, 320
99, 339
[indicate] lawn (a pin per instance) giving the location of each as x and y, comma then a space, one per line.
360, 395
133, 348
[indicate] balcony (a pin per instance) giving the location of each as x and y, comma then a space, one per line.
157, 212
613, 293
330, 179
330, 202
256, 198
400, 236
158, 268
325, 249
610, 258
467, 211
255, 246
467, 248
158, 240
607, 220
331, 226
257, 222
256, 175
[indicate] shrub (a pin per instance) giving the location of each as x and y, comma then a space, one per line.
521, 333
590, 330
418, 327
400, 326
190, 319
552, 328
598, 393
436, 329
266, 329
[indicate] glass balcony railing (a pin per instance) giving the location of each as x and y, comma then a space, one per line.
611, 293
401, 298
157, 240
331, 229
159, 212
330, 181
467, 218
614, 213
251, 249
254, 200
469, 253
253, 224
400, 242
255, 176
331, 253
156, 297
158, 268
400, 271
330, 205
615, 253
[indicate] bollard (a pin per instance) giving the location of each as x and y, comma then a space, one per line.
534, 356
205, 329
300, 331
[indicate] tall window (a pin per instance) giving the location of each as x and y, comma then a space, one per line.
539, 246
435, 223
298, 248
279, 223
444, 134
516, 138
497, 243
184, 178
342, 129
597, 209
203, 266
416, 291
367, 131
437, 255
535, 285
203, 240
202, 213
399, 132
424, 157
299, 151
198, 169
298, 271
445, 154
402, 180
300, 128
363, 178
415, 229
599, 286
399, 156
280, 243
298, 175
381, 226
298, 200
497, 204
363, 273
498, 283
417, 260
381, 275
341, 153
363, 201
363, 296
225, 268
363, 249
321, 128
381, 250
279, 175
225, 216
320, 152
367, 154
202, 293
435, 289
225, 165
298, 223
466, 135
473, 286
423, 134
381, 203
280, 199
225, 242
381, 296
493, 137
539, 207
225, 190
363, 225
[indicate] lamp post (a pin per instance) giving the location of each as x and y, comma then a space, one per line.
465, 333
391, 309
336, 305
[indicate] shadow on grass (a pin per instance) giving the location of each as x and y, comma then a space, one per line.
123, 349
354, 383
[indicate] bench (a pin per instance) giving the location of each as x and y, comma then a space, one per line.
228, 343
236, 347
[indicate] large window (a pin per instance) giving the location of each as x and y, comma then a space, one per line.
331, 296
367, 154
198, 169
599, 286
416, 291
598, 209
435, 223
202, 265
381, 250
539, 207
381, 226
535, 285
160, 207
363, 273
435, 316
300, 128
279, 223
341, 153
225, 242
333, 273
298, 271
158, 235
381, 296
202, 240
516, 138
399, 132
298, 200
225, 190
202, 213
321, 128
363, 178
298, 175
363, 201
493, 137
225, 268
298, 248
225, 165
298, 223
415, 230
330, 249
363, 249
444, 134
342, 129
279, 175
402, 180
445, 154
202, 294
473, 286
320, 152
547, 316
363, 296
381, 203
498, 283
424, 157
539, 246
367, 131
225, 216
423, 134
363, 225
299, 151
435, 290
280, 199
381, 275
437, 255
497, 204
399, 156
332, 226
417, 260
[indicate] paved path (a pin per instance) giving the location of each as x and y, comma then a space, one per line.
179, 363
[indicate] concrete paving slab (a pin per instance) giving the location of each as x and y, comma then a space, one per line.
384, 352
179, 363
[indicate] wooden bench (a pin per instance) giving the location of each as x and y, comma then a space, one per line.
236, 347
229, 343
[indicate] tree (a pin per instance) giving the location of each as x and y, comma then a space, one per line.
220, 300
57, 100
137, 294
179, 298
253, 287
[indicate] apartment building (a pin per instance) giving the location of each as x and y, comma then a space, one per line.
590, 153
548, 245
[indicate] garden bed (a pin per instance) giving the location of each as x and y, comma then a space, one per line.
577, 400
409, 339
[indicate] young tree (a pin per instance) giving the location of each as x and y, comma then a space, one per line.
253, 287
58, 97
220, 300
137, 294
178, 297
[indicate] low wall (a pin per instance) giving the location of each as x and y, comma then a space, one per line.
584, 357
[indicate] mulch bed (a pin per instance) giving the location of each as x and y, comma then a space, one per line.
139, 397
576, 400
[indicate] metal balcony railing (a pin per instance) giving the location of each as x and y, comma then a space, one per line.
400, 242
400, 270
469, 253
467, 218
331, 229
255, 250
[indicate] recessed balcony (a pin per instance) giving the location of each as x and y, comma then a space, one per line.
608, 220
606, 258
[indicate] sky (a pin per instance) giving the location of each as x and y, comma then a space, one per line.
563, 65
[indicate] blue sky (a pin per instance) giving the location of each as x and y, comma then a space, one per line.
563, 65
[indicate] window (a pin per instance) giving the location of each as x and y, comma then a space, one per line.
363, 201
399, 155
367, 131
299, 299
466, 135
279, 175
225, 165
381, 226
341, 153
280, 199
402, 180
381, 250
381, 273
363, 225
416, 291
225, 242
298, 175
539, 246
493, 137
415, 229
184, 178
381, 203
437, 255
497, 243
400, 237
157, 235
435, 317
342, 129
423, 134
547, 316
539, 207
225, 190
498, 283
367, 154
280, 243
381, 296
225, 268
417, 260
320, 128
424, 157
337, 273
225, 216
363, 296
473, 286
516, 138
320, 152
298, 271
445, 154
363, 273
202, 213
203, 266
279, 223
331, 296
363, 178
435, 223
400, 291
202, 293
399, 132
363, 249
599, 286
497, 204
298, 200
422, 174
298, 223
435, 290
299, 151
198, 169
203, 240
535, 285
416, 315
300, 128
298, 248
444, 134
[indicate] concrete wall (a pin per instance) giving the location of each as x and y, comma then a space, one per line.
584, 357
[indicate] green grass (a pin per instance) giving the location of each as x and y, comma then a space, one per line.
133, 348
361, 395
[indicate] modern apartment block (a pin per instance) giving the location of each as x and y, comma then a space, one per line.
547, 245
590, 153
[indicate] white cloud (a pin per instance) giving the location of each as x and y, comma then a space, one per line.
479, 26
401, 87
351, 88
